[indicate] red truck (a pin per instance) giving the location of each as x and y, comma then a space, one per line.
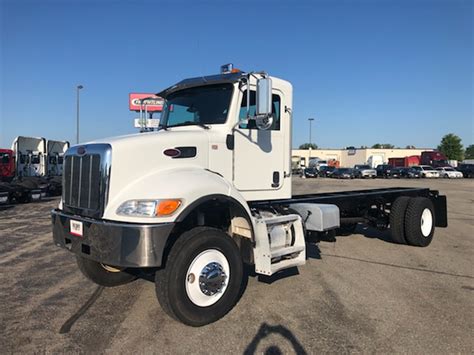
7, 165
404, 162
434, 158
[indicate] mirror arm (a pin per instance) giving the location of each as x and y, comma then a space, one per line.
248, 98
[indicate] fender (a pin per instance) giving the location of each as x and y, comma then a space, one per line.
192, 185
241, 224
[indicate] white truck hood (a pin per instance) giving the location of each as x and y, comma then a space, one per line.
135, 156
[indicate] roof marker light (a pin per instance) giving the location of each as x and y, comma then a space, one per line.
227, 68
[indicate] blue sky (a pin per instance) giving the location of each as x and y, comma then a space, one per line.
397, 72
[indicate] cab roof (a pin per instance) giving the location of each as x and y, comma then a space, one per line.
204, 80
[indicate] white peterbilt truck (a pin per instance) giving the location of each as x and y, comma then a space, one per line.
210, 191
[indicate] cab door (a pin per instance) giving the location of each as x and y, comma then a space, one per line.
259, 155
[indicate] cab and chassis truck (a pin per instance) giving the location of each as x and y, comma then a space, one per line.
210, 191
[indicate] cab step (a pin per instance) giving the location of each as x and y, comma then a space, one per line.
279, 244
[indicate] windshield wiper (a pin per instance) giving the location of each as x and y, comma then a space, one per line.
190, 123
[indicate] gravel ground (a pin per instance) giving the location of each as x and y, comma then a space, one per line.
359, 294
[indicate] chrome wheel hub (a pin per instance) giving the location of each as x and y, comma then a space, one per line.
207, 278
212, 279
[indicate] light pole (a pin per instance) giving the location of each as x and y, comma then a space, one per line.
78, 87
310, 141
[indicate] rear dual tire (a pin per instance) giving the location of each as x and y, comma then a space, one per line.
397, 219
412, 221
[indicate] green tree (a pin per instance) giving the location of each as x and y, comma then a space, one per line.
383, 146
308, 145
469, 154
451, 146
410, 147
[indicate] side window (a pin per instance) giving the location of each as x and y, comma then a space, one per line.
276, 109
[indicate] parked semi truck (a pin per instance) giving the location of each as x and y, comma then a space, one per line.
210, 191
55, 153
433, 158
30, 156
7, 165
11, 189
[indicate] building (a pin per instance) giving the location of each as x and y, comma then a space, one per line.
350, 157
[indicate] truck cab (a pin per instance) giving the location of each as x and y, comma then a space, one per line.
55, 157
434, 158
7, 165
30, 156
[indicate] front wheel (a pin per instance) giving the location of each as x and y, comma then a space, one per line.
202, 278
102, 274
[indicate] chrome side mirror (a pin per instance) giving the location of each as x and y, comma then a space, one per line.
264, 96
264, 117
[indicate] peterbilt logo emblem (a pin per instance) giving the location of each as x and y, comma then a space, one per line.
81, 150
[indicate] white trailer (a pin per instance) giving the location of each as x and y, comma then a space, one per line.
210, 191
55, 153
30, 156
376, 160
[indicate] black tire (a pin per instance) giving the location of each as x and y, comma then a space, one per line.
397, 219
414, 222
170, 281
97, 273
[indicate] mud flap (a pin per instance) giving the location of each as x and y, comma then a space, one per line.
441, 210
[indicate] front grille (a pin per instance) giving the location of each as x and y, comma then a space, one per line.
82, 187
85, 180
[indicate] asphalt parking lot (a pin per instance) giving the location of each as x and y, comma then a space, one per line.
359, 294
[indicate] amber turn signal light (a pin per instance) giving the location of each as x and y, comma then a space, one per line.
167, 207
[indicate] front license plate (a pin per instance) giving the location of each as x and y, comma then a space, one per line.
75, 228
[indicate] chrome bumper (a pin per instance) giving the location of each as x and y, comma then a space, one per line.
112, 243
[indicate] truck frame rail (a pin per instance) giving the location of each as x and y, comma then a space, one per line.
356, 204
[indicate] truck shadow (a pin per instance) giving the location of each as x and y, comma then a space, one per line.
371, 233
312, 252
282, 333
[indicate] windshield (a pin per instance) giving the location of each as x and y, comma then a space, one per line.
4, 158
197, 106
363, 167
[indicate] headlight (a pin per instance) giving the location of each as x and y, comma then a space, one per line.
149, 208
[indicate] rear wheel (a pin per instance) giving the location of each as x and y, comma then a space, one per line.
397, 219
419, 222
202, 278
102, 274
